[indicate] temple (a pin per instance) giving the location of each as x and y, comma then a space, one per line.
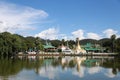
93, 48
78, 48
48, 47
65, 49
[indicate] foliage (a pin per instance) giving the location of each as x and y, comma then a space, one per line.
111, 44
117, 46
11, 44
92, 41
55, 43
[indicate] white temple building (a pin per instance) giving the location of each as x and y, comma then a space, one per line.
65, 49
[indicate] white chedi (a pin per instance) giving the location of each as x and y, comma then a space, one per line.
78, 49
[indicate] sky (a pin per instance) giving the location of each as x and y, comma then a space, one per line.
61, 19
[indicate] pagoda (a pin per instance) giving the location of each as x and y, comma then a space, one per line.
78, 48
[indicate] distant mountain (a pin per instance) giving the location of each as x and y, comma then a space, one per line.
84, 41
105, 42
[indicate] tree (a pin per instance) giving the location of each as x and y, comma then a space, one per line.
14, 43
55, 43
113, 38
63, 41
38, 44
118, 45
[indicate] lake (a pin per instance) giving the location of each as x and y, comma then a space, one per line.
60, 68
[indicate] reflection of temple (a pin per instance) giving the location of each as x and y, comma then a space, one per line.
65, 61
72, 61
79, 60
78, 48
31, 57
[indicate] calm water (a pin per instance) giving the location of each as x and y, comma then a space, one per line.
60, 68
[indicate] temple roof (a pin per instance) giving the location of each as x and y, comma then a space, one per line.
93, 49
48, 45
89, 46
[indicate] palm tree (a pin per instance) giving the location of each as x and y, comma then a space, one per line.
113, 37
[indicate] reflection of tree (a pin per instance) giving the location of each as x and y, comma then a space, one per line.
72, 64
38, 64
10, 67
114, 71
56, 62
113, 63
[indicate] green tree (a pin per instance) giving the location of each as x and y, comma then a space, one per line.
38, 44
56, 43
118, 45
113, 38
14, 43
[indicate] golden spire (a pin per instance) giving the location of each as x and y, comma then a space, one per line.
78, 47
78, 44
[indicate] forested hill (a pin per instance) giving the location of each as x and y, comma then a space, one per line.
84, 41
13, 43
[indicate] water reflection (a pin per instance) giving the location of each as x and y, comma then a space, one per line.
59, 68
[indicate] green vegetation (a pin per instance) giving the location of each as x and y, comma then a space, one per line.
111, 44
11, 44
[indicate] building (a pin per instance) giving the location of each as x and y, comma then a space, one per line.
91, 48
65, 49
49, 48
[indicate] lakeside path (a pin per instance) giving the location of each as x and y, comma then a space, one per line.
53, 54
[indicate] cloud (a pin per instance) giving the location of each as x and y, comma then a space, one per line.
109, 32
93, 36
94, 70
110, 74
49, 72
79, 33
63, 36
118, 36
50, 33
80, 73
15, 18
53, 33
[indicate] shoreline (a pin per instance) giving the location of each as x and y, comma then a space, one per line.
63, 54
